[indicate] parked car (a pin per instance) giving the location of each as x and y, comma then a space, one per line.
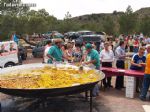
90, 39
38, 50
72, 35
57, 35
85, 32
103, 35
8, 54
75, 35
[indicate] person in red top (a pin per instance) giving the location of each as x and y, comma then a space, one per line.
136, 45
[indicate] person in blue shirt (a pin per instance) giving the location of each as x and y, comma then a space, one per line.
15, 38
136, 64
120, 57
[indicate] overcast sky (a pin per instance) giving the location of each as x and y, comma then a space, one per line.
59, 8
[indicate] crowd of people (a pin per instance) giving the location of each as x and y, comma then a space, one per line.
110, 51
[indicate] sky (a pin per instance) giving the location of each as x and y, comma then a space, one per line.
59, 8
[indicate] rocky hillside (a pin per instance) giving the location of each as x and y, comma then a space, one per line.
99, 17
143, 12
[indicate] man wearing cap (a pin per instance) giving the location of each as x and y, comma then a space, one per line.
93, 58
55, 53
146, 80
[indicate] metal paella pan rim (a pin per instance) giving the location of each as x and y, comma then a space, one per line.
46, 92
35, 66
41, 65
76, 85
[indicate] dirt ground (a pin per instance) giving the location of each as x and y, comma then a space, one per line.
109, 100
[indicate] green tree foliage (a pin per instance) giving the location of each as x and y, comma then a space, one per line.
22, 26
52, 23
145, 26
67, 24
43, 13
24, 21
37, 25
128, 21
13, 7
109, 25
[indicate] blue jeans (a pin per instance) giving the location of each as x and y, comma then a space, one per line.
135, 50
96, 90
146, 85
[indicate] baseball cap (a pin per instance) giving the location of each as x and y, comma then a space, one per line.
57, 40
88, 46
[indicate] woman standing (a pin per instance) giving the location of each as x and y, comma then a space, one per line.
77, 53
69, 52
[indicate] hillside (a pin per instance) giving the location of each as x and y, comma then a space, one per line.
102, 21
143, 12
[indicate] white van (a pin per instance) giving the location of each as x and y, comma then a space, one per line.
8, 54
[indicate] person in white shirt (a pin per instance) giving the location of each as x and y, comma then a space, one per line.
107, 57
147, 40
46, 49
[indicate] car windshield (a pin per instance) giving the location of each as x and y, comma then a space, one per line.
85, 32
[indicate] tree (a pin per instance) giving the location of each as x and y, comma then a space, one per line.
7, 25
115, 12
37, 25
22, 25
67, 23
67, 16
43, 13
52, 23
129, 10
108, 26
145, 26
128, 21
32, 13
13, 7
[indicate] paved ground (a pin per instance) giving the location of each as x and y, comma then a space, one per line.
110, 100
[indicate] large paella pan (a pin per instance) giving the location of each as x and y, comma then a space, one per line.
43, 80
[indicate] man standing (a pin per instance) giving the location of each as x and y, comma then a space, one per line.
115, 44
55, 53
136, 61
120, 55
93, 58
146, 81
107, 57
